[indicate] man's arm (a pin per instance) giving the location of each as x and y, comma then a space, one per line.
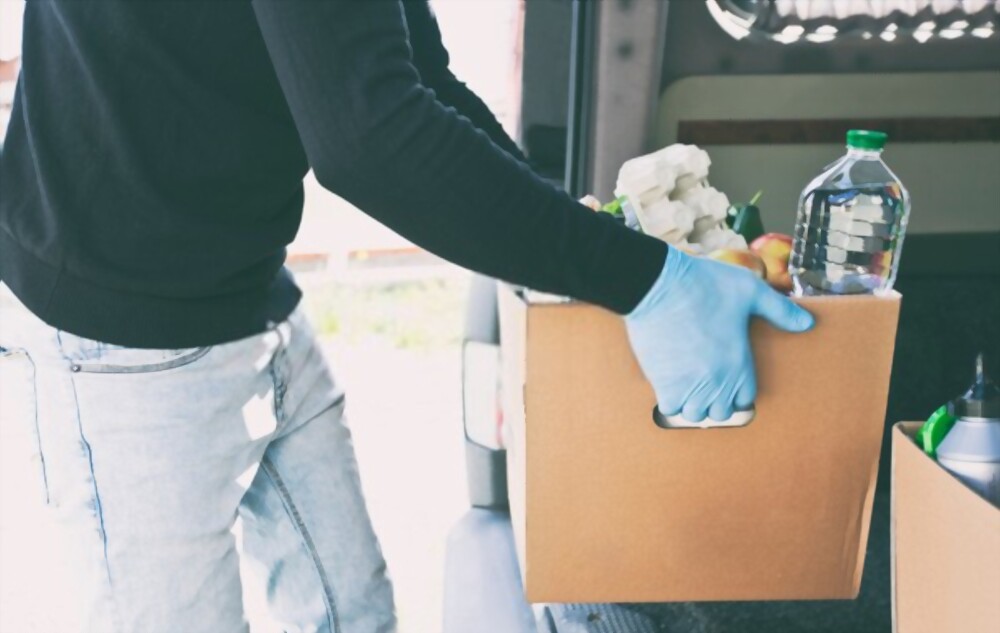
375, 135
431, 60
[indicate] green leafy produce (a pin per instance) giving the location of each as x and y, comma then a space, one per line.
614, 207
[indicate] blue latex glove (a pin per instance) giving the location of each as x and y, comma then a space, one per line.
690, 334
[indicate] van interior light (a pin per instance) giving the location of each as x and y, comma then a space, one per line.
820, 37
820, 21
734, 22
790, 33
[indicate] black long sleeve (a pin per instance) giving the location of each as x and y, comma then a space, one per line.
432, 61
376, 135
152, 173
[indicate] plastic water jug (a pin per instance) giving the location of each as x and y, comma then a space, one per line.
850, 224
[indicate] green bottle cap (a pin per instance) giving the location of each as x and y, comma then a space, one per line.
934, 430
866, 139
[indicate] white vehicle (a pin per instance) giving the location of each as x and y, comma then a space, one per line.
768, 88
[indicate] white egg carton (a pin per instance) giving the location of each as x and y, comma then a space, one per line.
669, 194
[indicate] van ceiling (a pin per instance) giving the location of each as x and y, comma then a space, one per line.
697, 45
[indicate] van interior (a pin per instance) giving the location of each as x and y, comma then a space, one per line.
601, 83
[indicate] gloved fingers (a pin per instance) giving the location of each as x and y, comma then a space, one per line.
746, 395
781, 311
668, 405
694, 410
721, 410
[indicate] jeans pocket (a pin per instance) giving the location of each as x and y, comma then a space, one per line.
20, 440
95, 357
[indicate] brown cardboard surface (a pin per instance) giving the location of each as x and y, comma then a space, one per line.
946, 547
608, 507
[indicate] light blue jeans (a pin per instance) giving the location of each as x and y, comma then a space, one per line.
123, 471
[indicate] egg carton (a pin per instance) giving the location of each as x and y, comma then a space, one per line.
669, 195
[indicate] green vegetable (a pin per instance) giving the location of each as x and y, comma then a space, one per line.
614, 207
746, 220
734, 209
748, 224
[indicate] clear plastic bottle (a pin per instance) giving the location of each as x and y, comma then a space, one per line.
850, 225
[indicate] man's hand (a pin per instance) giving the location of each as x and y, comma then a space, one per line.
690, 334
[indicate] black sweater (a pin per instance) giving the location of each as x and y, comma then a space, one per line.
152, 172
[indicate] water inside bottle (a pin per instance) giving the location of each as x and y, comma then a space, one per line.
849, 230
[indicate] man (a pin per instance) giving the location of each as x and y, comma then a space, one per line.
151, 180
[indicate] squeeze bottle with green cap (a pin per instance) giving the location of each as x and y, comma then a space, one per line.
971, 449
850, 224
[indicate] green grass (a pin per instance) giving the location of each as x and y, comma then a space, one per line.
414, 315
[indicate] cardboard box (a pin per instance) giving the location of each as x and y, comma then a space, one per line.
945, 547
609, 507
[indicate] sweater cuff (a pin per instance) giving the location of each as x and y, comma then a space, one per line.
638, 262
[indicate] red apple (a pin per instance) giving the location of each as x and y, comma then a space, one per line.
777, 244
775, 249
740, 257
